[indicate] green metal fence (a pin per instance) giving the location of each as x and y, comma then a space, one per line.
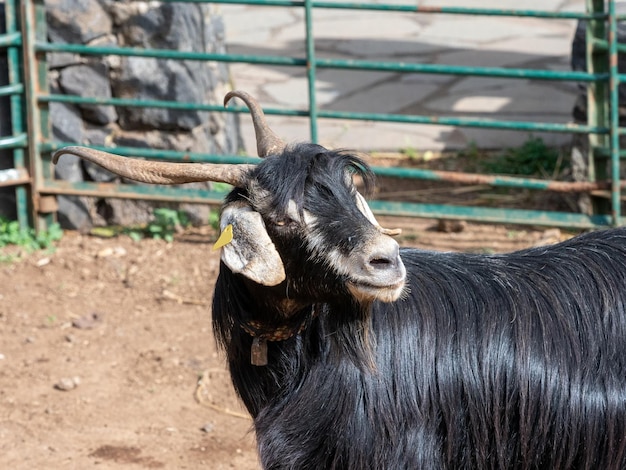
32, 144
15, 140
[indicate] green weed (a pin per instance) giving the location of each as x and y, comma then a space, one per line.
166, 223
410, 153
27, 238
533, 158
472, 157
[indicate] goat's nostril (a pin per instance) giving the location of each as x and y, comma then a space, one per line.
379, 262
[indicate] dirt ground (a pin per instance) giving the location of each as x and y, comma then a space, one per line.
107, 357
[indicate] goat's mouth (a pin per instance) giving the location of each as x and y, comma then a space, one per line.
367, 291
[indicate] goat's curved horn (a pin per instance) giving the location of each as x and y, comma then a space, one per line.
267, 142
147, 171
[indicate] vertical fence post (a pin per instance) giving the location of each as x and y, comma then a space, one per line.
22, 192
33, 20
7, 194
597, 93
311, 68
614, 82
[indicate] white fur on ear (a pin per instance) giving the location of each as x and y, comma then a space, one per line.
251, 252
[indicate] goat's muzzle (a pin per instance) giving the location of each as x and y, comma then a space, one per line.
378, 272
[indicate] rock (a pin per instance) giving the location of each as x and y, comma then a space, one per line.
76, 20
451, 226
74, 213
58, 60
208, 428
92, 81
67, 125
88, 322
67, 383
146, 78
167, 26
43, 262
115, 252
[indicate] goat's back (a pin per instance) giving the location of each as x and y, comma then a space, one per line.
504, 361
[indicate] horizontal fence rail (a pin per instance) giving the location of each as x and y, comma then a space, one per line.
602, 79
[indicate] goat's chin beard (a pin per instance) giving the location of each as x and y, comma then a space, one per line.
366, 293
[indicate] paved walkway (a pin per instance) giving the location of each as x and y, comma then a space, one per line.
416, 38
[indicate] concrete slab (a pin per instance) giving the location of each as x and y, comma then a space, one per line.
466, 31
365, 25
411, 38
548, 5
517, 97
390, 96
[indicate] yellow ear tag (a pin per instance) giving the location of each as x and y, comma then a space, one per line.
225, 237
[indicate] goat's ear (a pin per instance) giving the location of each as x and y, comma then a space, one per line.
361, 203
251, 252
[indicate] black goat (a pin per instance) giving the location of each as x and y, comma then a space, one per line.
366, 357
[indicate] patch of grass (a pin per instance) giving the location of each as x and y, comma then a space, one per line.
166, 223
472, 152
27, 238
470, 159
533, 158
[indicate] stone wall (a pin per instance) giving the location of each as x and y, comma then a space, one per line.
125, 23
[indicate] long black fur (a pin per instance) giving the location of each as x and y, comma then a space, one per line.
513, 361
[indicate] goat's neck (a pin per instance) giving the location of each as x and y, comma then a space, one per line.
274, 302
327, 331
